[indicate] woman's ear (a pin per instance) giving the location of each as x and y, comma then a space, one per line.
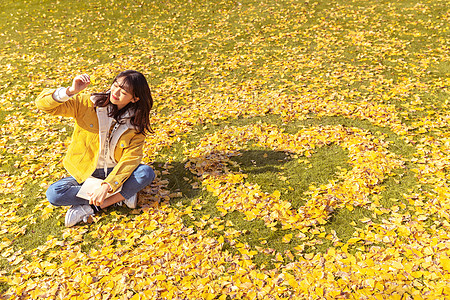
135, 100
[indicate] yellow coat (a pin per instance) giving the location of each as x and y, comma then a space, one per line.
90, 128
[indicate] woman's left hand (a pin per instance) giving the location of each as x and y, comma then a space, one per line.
99, 195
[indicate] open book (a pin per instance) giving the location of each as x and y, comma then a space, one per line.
90, 185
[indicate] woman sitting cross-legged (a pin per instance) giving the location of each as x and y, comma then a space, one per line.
107, 143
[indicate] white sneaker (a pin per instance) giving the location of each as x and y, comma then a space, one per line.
78, 213
132, 202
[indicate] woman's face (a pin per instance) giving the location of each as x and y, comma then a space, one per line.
119, 96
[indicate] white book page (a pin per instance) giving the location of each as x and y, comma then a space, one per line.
90, 185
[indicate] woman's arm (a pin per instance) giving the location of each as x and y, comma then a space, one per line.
132, 155
56, 102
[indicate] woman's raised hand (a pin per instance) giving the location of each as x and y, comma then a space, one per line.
80, 82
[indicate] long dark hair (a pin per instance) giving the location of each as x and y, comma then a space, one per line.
135, 83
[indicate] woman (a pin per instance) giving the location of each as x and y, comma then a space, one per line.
107, 143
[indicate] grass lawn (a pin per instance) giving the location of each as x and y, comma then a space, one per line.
301, 150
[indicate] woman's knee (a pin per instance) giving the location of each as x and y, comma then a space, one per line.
145, 174
58, 191
53, 196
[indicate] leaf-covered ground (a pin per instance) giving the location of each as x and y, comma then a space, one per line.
301, 147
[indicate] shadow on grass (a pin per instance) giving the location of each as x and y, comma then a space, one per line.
262, 161
271, 170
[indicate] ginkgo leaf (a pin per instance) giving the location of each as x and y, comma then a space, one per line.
287, 238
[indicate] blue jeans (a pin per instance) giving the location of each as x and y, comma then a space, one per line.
64, 191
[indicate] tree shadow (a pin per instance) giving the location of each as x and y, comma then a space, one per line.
182, 180
262, 161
